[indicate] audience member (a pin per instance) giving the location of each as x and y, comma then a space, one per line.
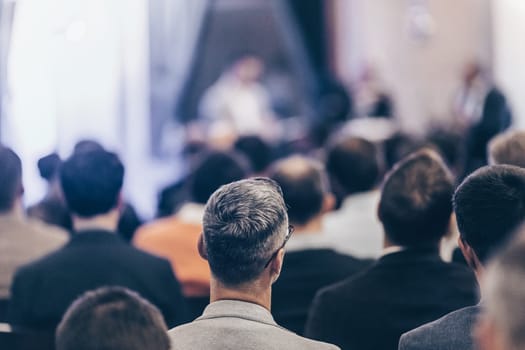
21, 240
112, 318
508, 148
354, 168
258, 152
310, 261
52, 208
501, 325
245, 229
95, 256
400, 145
173, 196
450, 145
176, 237
129, 220
410, 284
489, 205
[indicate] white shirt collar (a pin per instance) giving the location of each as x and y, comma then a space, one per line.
392, 249
307, 240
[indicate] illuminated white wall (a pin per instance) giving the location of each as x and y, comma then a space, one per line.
423, 75
79, 69
509, 53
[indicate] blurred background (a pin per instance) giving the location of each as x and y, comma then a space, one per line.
146, 77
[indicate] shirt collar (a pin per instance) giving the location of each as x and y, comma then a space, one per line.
392, 249
238, 309
307, 240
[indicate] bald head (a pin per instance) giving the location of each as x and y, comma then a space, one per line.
304, 185
508, 148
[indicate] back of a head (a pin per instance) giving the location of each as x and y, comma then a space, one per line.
10, 178
112, 318
49, 166
304, 186
353, 163
508, 148
489, 205
87, 146
214, 170
504, 294
258, 152
449, 143
415, 205
244, 223
91, 182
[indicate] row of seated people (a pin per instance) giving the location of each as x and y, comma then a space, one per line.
240, 253
117, 318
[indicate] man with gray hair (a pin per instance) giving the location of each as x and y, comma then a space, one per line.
311, 263
245, 229
501, 325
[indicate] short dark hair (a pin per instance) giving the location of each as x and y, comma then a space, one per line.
49, 166
215, 169
353, 164
489, 205
399, 146
91, 182
258, 152
112, 318
304, 187
415, 205
10, 178
87, 146
449, 143
508, 148
244, 223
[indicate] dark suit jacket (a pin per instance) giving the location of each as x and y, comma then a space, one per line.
43, 290
495, 118
303, 274
451, 332
400, 292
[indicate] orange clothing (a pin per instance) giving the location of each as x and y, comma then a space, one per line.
176, 240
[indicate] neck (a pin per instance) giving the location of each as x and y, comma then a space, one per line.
312, 226
479, 272
107, 222
387, 243
17, 209
258, 292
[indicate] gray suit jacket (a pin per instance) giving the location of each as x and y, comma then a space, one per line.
236, 325
451, 332
23, 241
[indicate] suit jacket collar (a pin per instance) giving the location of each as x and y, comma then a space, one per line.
411, 254
238, 309
95, 237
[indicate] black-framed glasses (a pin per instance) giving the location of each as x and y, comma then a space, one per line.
286, 238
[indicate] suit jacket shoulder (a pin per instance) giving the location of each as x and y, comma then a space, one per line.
236, 325
450, 332
42, 290
304, 273
400, 292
